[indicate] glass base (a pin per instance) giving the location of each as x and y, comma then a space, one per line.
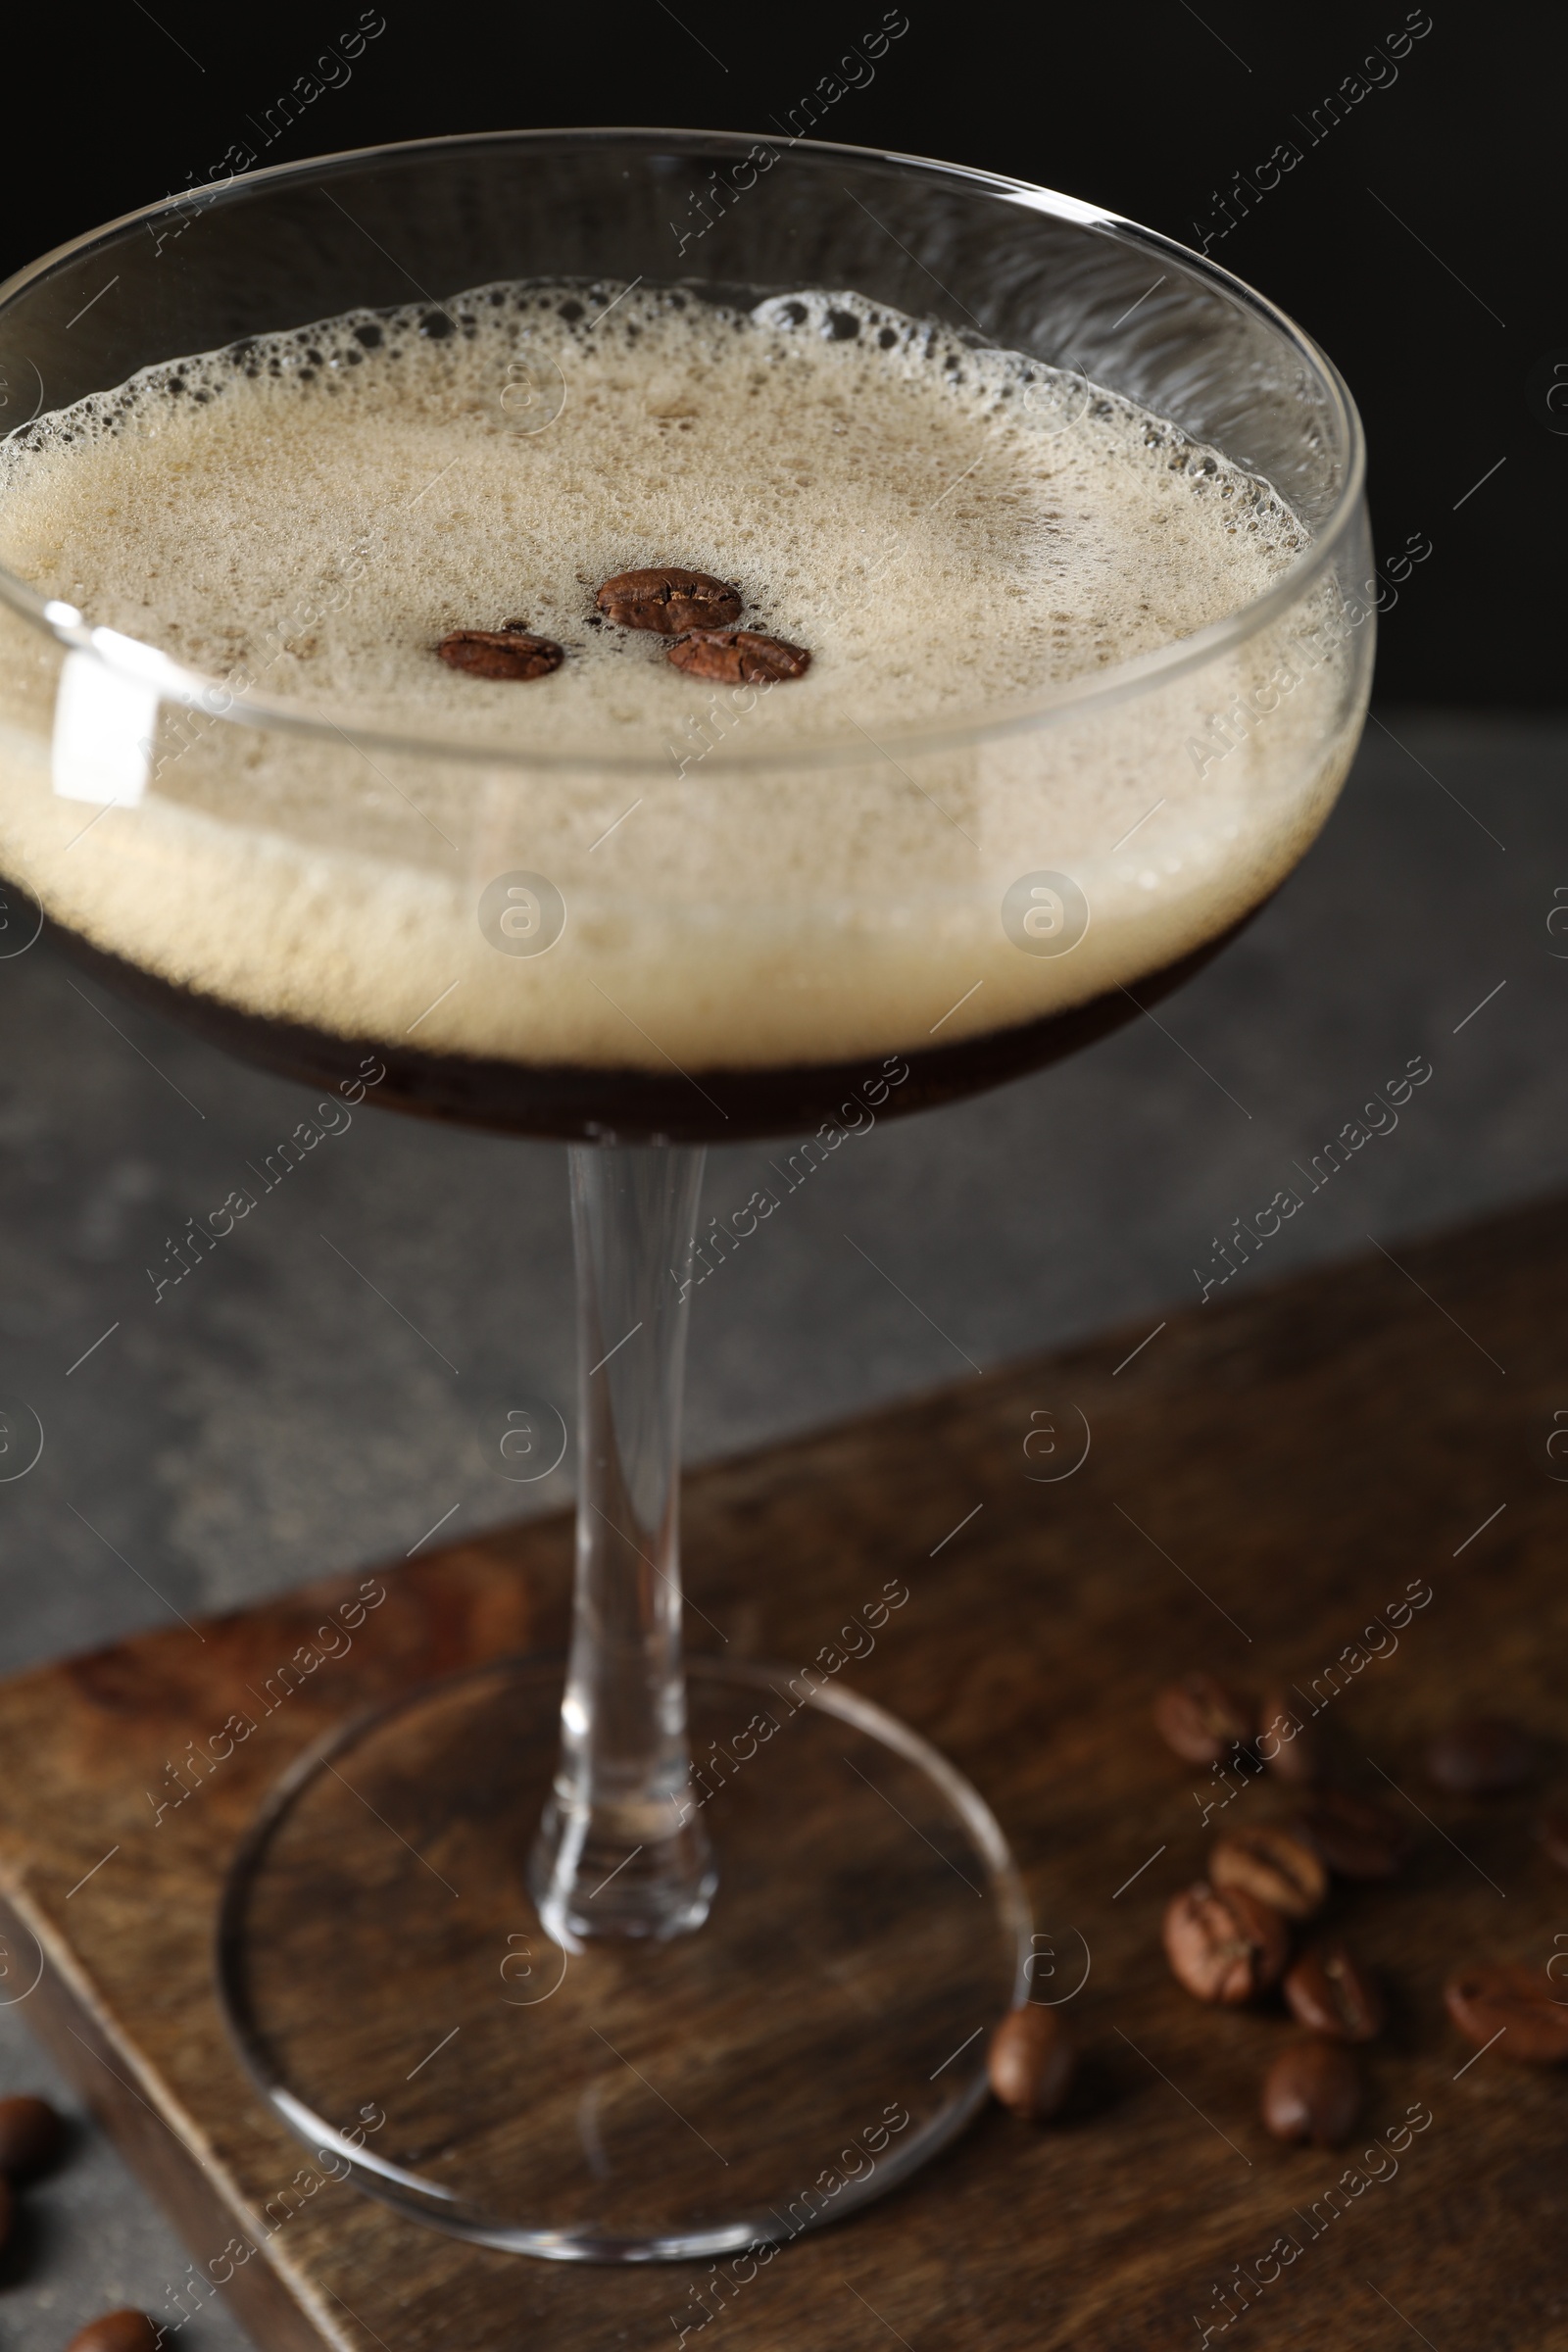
821, 2035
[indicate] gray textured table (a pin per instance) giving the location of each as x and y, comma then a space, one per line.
273, 1417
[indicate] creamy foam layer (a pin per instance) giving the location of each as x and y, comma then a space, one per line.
950, 530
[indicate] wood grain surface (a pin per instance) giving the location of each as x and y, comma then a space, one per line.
1266, 1480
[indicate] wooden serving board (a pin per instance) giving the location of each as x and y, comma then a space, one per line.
1264, 1480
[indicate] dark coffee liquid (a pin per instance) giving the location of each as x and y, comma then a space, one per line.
586, 1104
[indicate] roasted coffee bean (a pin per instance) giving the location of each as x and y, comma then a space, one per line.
1331, 1992
1203, 1719
669, 601
509, 652
1031, 2062
1480, 1757
1289, 1742
31, 2136
1282, 1870
1223, 1945
738, 657
1312, 2091
1552, 1830
119, 2331
1356, 1837
1501, 1996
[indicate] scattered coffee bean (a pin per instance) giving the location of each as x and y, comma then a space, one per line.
1223, 1945
31, 2136
119, 2331
669, 601
1502, 1996
1312, 2091
1332, 1993
1552, 1830
1269, 1862
1287, 1739
738, 657
509, 652
1356, 1837
1481, 1757
1031, 2062
1203, 1719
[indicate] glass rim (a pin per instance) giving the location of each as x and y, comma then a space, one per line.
1094, 691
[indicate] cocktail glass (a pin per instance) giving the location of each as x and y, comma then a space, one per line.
686, 1959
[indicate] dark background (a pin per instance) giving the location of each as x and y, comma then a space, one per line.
1414, 238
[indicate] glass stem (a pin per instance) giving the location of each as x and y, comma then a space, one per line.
620, 1849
